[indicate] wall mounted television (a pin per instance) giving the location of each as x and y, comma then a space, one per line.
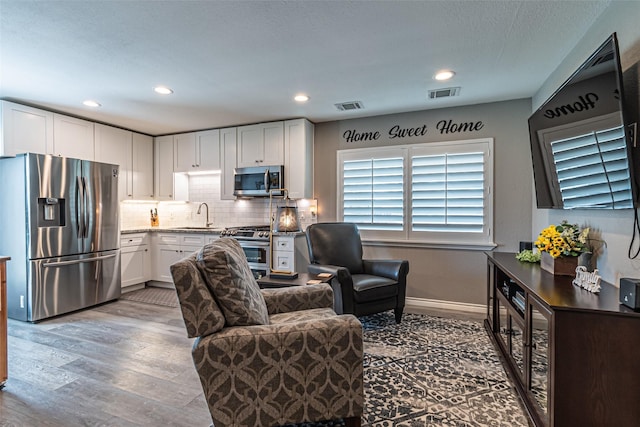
581, 144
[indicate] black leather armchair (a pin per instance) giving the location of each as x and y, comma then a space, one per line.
360, 286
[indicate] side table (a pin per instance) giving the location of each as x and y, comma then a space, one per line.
302, 279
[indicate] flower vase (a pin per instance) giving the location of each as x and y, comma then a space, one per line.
561, 266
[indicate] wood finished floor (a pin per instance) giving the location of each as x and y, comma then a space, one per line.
121, 364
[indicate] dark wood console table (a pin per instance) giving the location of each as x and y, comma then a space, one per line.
573, 355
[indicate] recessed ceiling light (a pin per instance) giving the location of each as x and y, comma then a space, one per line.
162, 90
301, 98
90, 103
444, 75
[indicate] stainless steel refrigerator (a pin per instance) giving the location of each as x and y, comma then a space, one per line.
59, 222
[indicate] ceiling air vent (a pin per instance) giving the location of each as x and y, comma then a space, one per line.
348, 106
444, 93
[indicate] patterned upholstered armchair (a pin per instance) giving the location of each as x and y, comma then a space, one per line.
267, 357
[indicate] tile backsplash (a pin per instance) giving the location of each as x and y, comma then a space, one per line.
222, 213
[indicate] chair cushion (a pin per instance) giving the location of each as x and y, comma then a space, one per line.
229, 277
201, 314
371, 288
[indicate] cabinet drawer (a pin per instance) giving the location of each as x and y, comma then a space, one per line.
168, 238
192, 239
133, 240
283, 261
283, 244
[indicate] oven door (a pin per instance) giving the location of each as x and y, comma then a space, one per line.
258, 256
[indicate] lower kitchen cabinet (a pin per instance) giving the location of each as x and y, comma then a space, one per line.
169, 248
135, 260
572, 354
290, 252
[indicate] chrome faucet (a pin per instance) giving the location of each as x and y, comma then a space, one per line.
200, 208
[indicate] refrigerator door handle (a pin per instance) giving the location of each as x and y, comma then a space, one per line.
85, 210
80, 207
76, 261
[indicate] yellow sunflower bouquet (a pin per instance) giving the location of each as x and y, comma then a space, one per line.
563, 240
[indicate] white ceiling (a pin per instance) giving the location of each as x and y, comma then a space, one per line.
238, 62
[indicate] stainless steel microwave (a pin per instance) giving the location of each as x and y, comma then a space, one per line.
258, 181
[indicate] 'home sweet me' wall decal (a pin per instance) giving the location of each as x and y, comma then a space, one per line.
443, 127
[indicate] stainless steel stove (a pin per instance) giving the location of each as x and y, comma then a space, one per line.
255, 242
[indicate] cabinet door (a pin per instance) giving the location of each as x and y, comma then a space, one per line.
283, 261
184, 159
142, 167
73, 137
298, 158
165, 255
135, 265
273, 151
113, 145
539, 382
208, 150
163, 168
228, 153
25, 130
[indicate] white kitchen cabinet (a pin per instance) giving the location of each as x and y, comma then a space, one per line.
169, 248
142, 167
228, 154
25, 130
163, 168
113, 145
261, 144
298, 158
135, 261
290, 252
73, 137
197, 151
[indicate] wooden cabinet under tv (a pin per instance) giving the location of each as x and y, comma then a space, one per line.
573, 355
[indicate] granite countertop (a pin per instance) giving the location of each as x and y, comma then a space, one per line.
200, 230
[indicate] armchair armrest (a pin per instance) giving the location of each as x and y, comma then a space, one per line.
285, 368
342, 284
294, 298
392, 269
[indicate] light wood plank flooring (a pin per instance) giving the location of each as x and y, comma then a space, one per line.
120, 364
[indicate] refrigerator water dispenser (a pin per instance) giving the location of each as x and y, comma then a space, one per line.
50, 212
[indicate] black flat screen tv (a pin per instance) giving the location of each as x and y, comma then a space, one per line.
580, 141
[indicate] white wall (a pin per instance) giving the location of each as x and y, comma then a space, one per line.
614, 227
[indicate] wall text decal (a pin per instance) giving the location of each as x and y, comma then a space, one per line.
397, 132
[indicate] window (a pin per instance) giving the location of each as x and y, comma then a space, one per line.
435, 193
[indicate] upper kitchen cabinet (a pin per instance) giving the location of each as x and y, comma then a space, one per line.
133, 152
261, 144
298, 158
228, 154
25, 130
142, 166
113, 145
163, 167
197, 151
73, 137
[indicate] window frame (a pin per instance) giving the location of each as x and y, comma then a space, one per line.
407, 237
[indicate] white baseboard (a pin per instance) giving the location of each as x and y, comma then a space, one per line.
419, 304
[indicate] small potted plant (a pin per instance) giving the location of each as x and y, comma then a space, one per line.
560, 246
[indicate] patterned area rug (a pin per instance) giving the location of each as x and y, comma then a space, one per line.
151, 295
432, 371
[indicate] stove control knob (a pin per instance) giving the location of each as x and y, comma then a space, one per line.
233, 232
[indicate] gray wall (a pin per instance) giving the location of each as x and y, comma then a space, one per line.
444, 274
614, 227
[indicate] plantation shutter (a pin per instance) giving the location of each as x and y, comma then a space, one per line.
373, 192
447, 192
592, 169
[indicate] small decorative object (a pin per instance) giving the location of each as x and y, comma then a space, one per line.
154, 218
560, 247
586, 280
527, 255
